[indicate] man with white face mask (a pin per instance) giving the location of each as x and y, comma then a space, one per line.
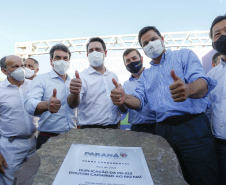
90, 90
31, 68
47, 97
176, 88
17, 138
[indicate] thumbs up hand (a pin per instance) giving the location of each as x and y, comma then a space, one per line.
117, 94
76, 84
178, 89
54, 104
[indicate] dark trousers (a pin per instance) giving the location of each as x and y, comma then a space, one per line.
221, 154
146, 127
41, 140
194, 146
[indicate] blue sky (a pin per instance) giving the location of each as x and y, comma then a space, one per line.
24, 20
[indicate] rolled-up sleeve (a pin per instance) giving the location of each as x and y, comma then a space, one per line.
193, 70
34, 95
140, 93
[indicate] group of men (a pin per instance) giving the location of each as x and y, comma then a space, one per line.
168, 99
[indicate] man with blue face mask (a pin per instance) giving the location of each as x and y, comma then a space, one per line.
218, 95
47, 97
90, 90
143, 120
17, 138
176, 89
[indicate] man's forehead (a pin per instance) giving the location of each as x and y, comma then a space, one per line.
95, 44
219, 25
12, 59
131, 54
60, 53
29, 61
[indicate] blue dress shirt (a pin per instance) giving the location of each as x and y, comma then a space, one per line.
142, 116
41, 90
218, 99
153, 86
14, 119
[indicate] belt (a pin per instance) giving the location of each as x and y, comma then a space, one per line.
146, 125
175, 120
48, 134
221, 141
114, 126
11, 138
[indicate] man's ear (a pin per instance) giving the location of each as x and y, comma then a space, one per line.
213, 64
105, 53
4, 71
141, 59
37, 70
51, 62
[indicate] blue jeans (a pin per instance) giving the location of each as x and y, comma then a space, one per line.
194, 146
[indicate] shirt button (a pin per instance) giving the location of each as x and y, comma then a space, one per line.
160, 65
162, 87
163, 99
166, 112
221, 125
221, 111
224, 98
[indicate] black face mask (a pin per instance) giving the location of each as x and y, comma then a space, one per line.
134, 67
220, 45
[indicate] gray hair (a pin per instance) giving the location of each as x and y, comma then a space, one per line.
3, 64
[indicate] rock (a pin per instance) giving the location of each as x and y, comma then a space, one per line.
160, 157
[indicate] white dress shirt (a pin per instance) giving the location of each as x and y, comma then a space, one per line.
41, 90
14, 119
218, 99
96, 107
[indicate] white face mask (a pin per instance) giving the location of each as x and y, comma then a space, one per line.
61, 66
29, 72
96, 59
153, 49
18, 74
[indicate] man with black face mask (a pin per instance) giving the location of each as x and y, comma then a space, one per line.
143, 120
176, 89
218, 95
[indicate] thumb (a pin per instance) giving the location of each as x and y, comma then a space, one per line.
115, 82
77, 74
54, 93
173, 75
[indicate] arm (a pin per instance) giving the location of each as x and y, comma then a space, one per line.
120, 99
53, 105
181, 91
2, 163
73, 99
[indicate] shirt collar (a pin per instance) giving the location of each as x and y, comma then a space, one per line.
164, 56
53, 74
92, 70
7, 83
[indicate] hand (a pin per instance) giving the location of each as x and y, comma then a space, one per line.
54, 104
117, 94
2, 163
178, 89
76, 84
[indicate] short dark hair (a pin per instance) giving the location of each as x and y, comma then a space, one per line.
215, 21
214, 58
3, 64
96, 39
59, 47
35, 61
145, 30
128, 51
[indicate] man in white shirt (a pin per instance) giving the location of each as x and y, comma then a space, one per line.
31, 68
17, 139
218, 95
47, 97
91, 90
